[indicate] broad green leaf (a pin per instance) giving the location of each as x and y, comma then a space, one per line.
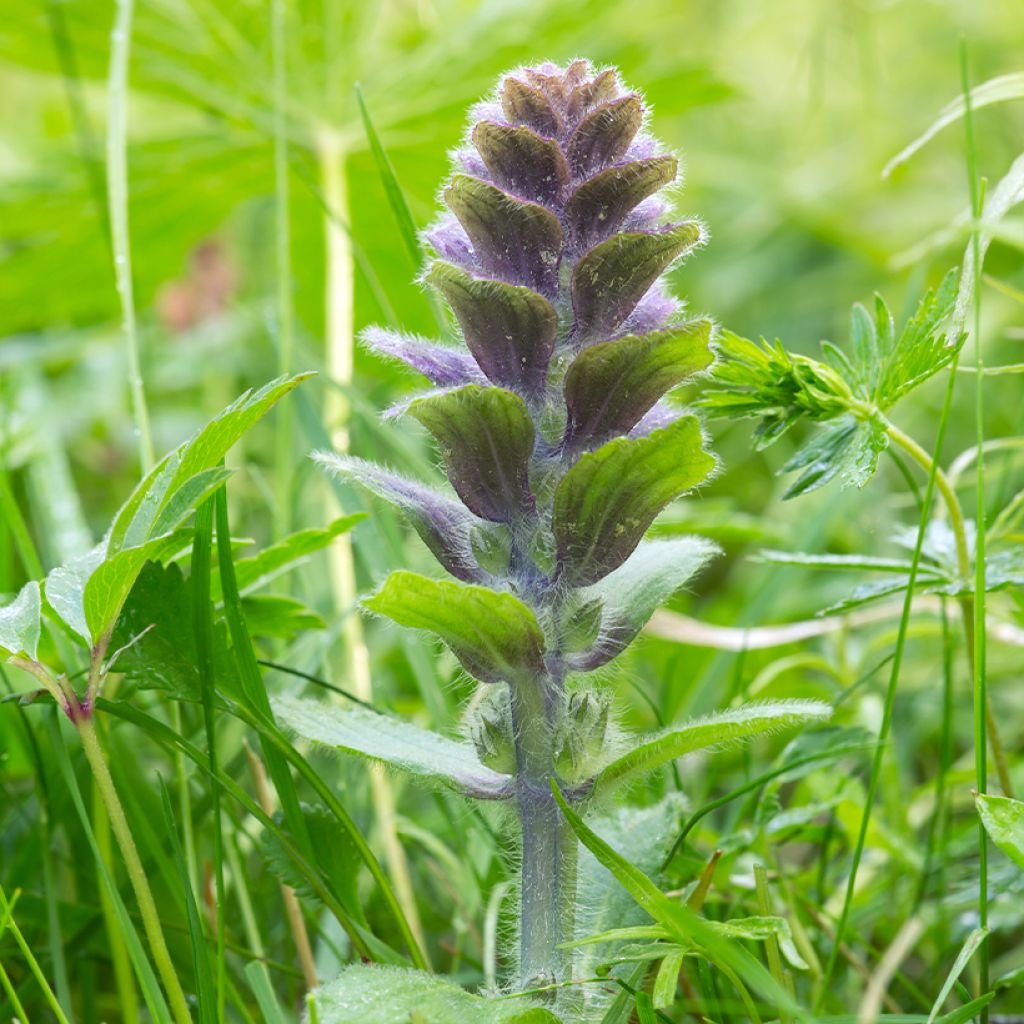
714, 730
395, 742
486, 438
494, 635
280, 616
65, 589
388, 995
609, 281
1003, 819
20, 621
610, 386
629, 596
253, 573
111, 582
605, 503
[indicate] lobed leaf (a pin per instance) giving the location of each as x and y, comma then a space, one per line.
610, 386
609, 281
714, 730
494, 635
399, 744
605, 503
486, 438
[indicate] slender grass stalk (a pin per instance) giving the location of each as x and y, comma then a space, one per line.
7, 909
136, 873
337, 408
981, 709
117, 200
283, 267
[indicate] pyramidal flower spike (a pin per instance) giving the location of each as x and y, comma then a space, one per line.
560, 449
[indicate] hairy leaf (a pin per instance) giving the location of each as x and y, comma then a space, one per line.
614, 276
20, 622
399, 744
509, 329
523, 104
446, 526
440, 364
494, 635
714, 730
486, 438
629, 596
527, 164
605, 503
604, 135
610, 386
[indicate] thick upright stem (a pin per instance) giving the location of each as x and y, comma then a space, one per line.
136, 872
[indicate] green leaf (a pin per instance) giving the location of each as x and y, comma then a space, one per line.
605, 503
280, 616
20, 622
667, 980
609, 281
65, 589
761, 929
610, 386
399, 744
253, 573
494, 635
486, 438
1003, 819
848, 449
629, 596
713, 731
389, 995
969, 948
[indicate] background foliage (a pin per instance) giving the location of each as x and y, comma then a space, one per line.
786, 114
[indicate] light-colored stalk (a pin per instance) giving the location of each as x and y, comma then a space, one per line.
136, 873
117, 200
340, 335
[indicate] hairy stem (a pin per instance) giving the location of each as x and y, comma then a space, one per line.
136, 873
966, 601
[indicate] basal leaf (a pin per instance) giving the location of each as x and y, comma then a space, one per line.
714, 730
610, 386
20, 622
629, 596
614, 276
605, 503
494, 635
445, 525
486, 438
1003, 819
399, 744
388, 995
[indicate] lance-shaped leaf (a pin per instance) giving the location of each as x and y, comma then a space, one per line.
606, 502
604, 135
599, 206
19, 622
614, 276
517, 241
1003, 819
629, 596
524, 104
509, 329
395, 742
723, 727
440, 364
611, 386
494, 635
486, 438
527, 164
445, 525
364, 994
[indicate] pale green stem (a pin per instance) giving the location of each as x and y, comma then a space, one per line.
117, 199
967, 603
136, 873
339, 360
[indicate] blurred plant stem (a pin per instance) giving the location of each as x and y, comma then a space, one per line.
340, 344
86, 727
966, 601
